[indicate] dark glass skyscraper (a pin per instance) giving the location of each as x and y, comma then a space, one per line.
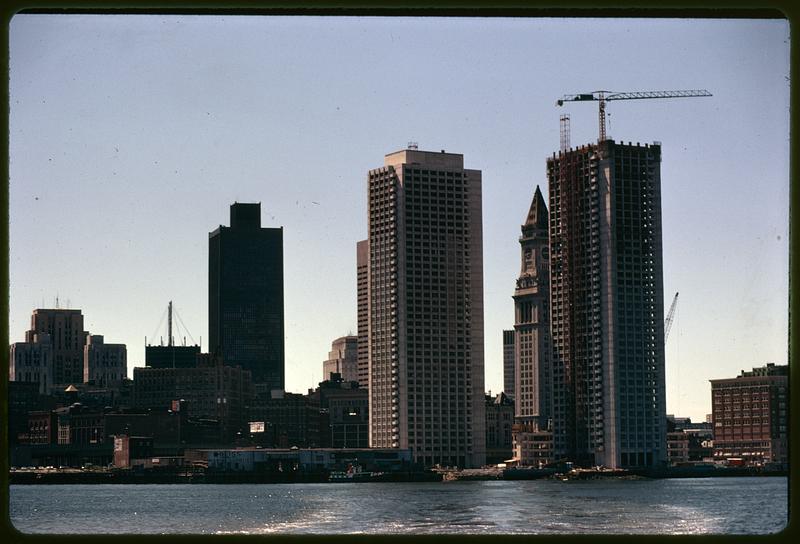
245, 295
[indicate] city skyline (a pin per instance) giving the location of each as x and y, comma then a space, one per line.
110, 111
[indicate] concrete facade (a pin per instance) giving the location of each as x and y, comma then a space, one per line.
65, 329
104, 364
32, 362
362, 290
426, 308
607, 305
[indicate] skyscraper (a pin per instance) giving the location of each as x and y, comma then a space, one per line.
426, 308
532, 359
607, 305
362, 280
245, 295
508, 364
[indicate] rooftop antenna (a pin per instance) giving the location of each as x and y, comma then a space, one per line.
564, 125
413, 145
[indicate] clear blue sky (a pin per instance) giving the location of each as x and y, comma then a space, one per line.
130, 136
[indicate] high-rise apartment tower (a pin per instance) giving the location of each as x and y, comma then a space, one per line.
245, 296
607, 305
362, 295
426, 308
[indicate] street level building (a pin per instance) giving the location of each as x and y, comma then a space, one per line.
344, 413
607, 305
104, 364
426, 308
750, 416
499, 422
362, 295
342, 359
245, 295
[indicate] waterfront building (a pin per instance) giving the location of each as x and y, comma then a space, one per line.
362, 295
344, 413
499, 422
64, 329
425, 307
342, 359
104, 364
245, 295
533, 447
508, 364
212, 390
284, 420
32, 362
750, 416
607, 306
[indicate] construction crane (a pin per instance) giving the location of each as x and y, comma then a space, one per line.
670, 315
605, 96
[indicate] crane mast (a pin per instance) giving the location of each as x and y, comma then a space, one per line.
670, 316
605, 96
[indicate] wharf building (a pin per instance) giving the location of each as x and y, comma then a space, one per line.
750, 416
344, 413
342, 359
245, 296
362, 294
531, 342
508, 364
607, 306
212, 390
425, 289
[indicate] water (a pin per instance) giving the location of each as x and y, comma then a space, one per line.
680, 506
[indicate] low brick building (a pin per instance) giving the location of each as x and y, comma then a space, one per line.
749, 414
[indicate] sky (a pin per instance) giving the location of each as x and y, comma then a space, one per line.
131, 135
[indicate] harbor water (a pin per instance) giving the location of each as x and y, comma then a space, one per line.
670, 506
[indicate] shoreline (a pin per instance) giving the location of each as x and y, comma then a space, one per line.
222, 478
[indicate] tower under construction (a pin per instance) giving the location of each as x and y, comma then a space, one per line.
607, 305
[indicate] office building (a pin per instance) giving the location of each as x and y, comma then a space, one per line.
607, 305
67, 338
104, 364
344, 413
245, 295
508, 364
342, 359
750, 416
32, 362
362, 291
426, 308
